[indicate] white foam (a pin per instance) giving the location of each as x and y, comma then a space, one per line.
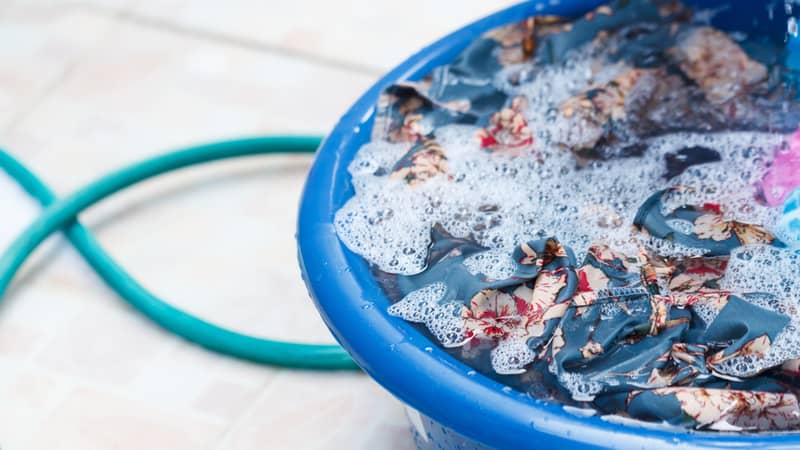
495, 264
731, 182
706, 312
511, 356
418, 306
578, 386
443, 319
768, 270
501, 200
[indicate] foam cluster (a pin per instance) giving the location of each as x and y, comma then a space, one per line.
495, 264
581, 389
772, 272
500, 200
510, 356
422, 306
731, 182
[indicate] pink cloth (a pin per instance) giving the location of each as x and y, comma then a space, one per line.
784, 175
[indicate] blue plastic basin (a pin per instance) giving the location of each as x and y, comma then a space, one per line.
451, 407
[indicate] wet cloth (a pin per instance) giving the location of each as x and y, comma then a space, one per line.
650, 336
668, 80
605, 328
711, 235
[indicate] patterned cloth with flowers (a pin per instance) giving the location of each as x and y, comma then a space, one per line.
646, 336
606, 331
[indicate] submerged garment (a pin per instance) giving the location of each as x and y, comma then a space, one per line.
712, 234
645, 336
514, 309
604, 329
722, 409
679, 161
674, 76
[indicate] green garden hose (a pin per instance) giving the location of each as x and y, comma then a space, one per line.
62, 214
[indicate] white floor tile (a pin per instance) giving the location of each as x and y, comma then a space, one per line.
376, 34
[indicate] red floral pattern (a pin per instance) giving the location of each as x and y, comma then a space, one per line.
508, 131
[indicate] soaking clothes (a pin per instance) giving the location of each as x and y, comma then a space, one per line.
609, 331
654, 335
712, 234
676, 76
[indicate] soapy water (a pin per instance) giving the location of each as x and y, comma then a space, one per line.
773, 272
557, 187
500, 201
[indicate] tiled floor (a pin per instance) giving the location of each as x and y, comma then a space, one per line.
89, 85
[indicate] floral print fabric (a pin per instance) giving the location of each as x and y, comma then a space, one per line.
647, 336
713, 234
606, 327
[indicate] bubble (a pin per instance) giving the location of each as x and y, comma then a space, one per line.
495, 264
425, 306
507, 201
511, 356
682, 226
581, 389
500, 200
418, 305
769, 275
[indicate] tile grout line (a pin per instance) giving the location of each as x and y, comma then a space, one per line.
235, 41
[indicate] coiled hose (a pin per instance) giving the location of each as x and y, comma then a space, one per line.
62, 214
